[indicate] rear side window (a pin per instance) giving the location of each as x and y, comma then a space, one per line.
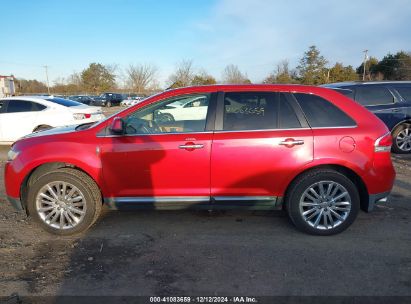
321, 113
405, 92
345, 92
15, 106
372, 95
249, 111
38, 107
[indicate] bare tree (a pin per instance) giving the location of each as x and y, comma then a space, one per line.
75, 79
183, 75
233, 75
141, 77
282, 74
203, 78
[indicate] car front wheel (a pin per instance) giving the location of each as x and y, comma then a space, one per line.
65, 201
322, 202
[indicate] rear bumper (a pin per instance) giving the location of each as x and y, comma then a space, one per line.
376, 199
16, 203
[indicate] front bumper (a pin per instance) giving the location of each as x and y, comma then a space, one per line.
16, 203
376, 199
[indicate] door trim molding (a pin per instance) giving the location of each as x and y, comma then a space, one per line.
195, 202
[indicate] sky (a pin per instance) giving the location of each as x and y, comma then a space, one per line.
255, 35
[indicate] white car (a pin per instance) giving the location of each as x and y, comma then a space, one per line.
185, 109
131, 101
20, 116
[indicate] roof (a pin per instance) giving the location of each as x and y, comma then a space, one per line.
352, 83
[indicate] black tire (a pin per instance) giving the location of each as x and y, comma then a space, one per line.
91, 103
108, 104
396, 145
166, 117
302, 183
42, 128
89, 189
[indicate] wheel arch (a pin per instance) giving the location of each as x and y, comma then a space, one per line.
41, 169
405, 121
41, 125
351, 174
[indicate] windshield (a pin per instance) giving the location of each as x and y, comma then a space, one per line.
64, 102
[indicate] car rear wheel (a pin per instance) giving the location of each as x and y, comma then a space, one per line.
322, 202
42, 128
402, 139
108, 104
65, 201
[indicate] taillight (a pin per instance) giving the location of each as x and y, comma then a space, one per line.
81, 116
383, 143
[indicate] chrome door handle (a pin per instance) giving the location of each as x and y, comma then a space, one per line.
196, 146
291, 142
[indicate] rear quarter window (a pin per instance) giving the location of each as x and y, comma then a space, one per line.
405, 92
321, 113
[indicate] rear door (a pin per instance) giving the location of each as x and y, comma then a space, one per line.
260, 141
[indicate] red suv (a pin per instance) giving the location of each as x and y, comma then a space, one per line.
309, 150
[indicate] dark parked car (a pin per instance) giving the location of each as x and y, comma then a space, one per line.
390, 101
108, 99
83, 99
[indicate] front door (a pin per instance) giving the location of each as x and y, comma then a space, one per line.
262, 142
161, 160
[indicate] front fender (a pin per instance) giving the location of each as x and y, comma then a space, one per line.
80, 155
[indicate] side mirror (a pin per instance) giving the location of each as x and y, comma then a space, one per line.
117, 126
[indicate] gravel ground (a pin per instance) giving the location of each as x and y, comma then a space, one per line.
197, 253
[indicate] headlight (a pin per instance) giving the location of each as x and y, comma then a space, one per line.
12, 155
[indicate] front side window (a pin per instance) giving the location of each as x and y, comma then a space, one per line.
322, 113
170, 116
249, 111
372, 95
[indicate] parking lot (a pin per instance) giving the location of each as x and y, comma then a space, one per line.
200, 253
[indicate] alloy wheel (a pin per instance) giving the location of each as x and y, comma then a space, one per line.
325, 205
403, 140
61, 205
